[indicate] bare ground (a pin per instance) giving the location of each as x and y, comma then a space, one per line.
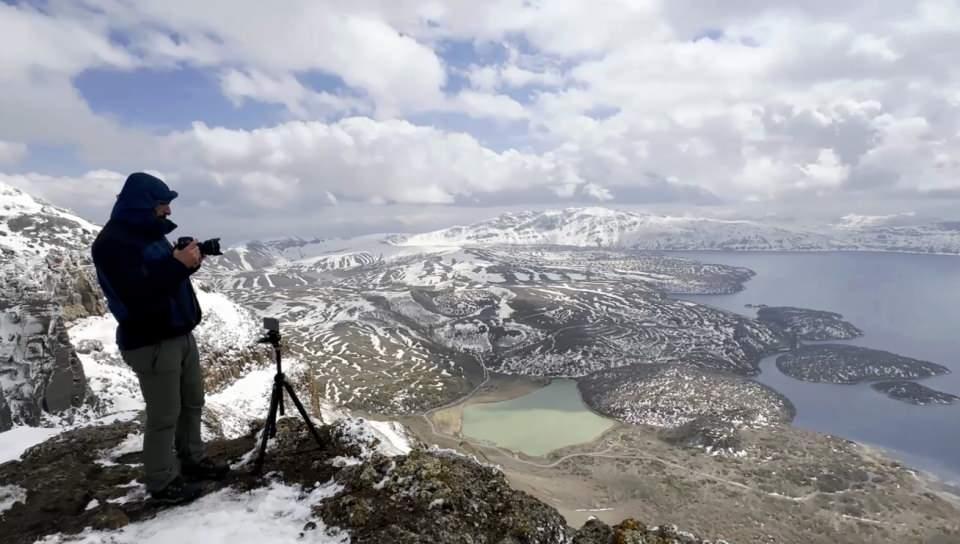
788, 485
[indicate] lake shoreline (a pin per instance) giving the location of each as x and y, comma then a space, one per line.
615, 476
911, 319
544, 419
448, 420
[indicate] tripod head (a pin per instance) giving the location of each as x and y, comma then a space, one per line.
272, 325
272, 337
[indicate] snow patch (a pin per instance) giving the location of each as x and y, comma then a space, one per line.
133, 443
10, 495
394, 439
18, 439
276, 513
112, 381
226, 325
137, 493
244, 401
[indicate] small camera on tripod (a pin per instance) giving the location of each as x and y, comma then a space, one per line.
272, 326
207, 247
280, 386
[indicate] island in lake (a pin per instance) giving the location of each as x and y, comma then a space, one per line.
914, 393
669, 396
813, 325
842, 364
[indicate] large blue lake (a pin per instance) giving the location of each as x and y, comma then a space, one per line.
906, 304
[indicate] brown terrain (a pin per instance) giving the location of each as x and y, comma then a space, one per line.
785, 485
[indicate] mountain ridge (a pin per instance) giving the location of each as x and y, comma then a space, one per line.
609, 228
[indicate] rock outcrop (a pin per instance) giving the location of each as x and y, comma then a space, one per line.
631, 531
41, 370
46, 281
72, 482
6, 418
711, 433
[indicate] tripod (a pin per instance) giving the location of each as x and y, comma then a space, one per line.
280, 384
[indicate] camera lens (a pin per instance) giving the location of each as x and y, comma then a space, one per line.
211, 247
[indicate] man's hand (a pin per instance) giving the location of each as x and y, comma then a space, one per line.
189, 256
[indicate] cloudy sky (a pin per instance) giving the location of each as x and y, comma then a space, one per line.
335, 117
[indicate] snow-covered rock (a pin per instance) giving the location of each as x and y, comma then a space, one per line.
39, 369
45, 282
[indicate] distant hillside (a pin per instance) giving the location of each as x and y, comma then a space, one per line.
602, 227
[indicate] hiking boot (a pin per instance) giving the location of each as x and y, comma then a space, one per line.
206, 469
177, 491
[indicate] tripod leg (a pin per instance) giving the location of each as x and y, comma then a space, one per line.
303, 413
269, 427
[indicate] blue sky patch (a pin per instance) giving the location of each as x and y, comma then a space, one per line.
169, 99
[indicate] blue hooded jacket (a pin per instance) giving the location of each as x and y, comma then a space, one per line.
148, 291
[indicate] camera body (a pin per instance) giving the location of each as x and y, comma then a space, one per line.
271, 324
207, 247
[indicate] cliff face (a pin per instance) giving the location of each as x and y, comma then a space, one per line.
39, 368
45, 283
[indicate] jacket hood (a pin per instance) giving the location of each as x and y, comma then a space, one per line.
141, 193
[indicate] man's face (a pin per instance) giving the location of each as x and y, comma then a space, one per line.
162, 210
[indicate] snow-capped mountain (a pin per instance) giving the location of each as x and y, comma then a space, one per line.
31, 227
602, 227
316, 254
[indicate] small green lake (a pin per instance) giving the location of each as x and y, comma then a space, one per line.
536, 423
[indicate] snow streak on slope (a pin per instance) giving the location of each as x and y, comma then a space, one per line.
310, 255
410, 332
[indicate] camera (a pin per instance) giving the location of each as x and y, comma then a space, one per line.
271, 324
207, 247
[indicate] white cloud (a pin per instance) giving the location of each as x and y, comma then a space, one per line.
511, 75
91, 194
751, 101
359, 159
497, 106
761, 175
826, 171
287, 90
34, 40
12, 152
873, 48
399, 73
597, 192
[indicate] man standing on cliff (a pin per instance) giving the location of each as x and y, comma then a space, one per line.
147, 285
